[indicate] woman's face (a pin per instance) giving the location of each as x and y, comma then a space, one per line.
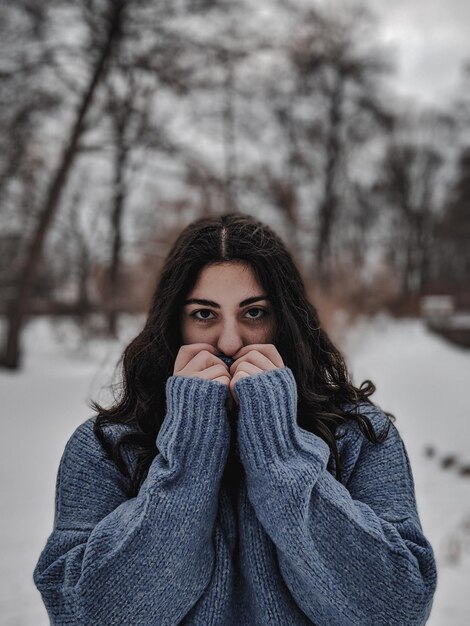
222, 316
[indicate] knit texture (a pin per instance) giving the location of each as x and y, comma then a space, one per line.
299, 547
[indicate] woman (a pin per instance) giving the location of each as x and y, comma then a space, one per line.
239, 479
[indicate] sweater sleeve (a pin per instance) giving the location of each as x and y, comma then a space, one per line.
145, 560
350, 555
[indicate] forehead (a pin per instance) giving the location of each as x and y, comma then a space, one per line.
239, 277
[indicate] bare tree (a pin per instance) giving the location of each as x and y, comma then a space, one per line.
411, 186
128, 106
25, 102
324, 105
112, 15
451, 265
344, 76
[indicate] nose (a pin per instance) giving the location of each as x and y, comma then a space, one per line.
229, 341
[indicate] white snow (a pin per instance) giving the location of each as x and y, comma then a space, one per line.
420, 378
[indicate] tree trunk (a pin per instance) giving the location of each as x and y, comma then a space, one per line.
17, 310
329, 203
116, 225
229, 137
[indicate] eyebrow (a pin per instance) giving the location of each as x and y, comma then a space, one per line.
217, 306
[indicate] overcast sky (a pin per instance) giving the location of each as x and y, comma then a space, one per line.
431, 39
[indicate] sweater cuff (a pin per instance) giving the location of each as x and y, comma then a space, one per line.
196, 430
267, 423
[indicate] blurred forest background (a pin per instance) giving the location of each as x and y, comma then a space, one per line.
344, 126
121, 121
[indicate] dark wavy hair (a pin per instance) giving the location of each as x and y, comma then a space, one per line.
323, 383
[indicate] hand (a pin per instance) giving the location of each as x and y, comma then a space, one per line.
253, 359
198, 359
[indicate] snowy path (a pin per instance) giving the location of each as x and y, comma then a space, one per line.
423, 381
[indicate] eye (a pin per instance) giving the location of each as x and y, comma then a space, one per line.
263, 312
201, 319
259, 317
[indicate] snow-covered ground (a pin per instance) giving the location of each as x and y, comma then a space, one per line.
421, 379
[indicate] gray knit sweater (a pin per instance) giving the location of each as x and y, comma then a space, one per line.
298, 548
